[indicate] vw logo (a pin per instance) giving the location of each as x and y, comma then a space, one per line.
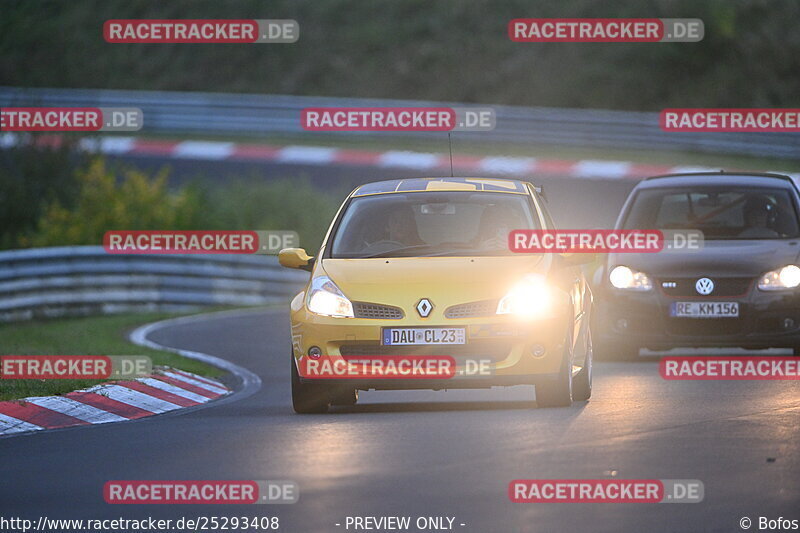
704, 286
424, 307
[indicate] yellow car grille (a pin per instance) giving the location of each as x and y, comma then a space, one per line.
472, 309
368, 310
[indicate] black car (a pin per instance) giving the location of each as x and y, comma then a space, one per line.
739, 290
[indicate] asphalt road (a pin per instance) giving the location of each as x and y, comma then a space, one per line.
424, 453
430, 453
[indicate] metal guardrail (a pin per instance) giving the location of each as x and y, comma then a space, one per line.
83, 280
258, 115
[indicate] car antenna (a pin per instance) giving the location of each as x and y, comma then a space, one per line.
450, 145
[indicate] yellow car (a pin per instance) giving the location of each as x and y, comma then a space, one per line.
417, 272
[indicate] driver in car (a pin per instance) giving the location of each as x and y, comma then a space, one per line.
401, 227
496, 223
756, 211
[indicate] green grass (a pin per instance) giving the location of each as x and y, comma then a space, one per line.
105, 335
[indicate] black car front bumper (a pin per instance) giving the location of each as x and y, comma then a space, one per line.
766, 320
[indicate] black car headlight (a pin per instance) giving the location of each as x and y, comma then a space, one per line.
625, 278
781, 279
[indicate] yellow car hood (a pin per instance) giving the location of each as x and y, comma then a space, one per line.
402, 281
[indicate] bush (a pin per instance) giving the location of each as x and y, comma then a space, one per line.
287, 204
135, 201
447, 50
32, 176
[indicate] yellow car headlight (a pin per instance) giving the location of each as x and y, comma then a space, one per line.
530, 298
784, 278
623, 277
325, 298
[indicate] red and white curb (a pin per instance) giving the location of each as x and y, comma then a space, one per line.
400, 159
165, 390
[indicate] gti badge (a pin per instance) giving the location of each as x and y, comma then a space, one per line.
424, 307
704, 286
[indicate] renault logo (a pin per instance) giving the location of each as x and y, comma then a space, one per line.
704, 286
424, 307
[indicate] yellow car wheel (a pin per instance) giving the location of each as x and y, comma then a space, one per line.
344, 397
558, 392
582, 384
308, 398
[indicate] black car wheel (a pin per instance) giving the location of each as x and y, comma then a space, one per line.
308, 398
616, 351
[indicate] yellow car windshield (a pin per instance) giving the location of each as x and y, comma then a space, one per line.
419, 224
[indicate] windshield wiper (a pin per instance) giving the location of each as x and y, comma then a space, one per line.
456, 252
476, 253
389, 253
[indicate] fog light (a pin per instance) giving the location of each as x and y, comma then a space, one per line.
537, 350
788, 323
314, 352
622, 324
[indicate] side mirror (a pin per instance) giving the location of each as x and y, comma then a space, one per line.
575, 259
295, 258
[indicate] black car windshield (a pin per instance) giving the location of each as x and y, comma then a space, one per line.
719, 212
424, 224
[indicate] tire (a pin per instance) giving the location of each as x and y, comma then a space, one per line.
582, 383
344, 397
612, 351
308, 398
558, 392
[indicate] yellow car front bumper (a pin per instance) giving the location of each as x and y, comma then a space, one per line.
499, 350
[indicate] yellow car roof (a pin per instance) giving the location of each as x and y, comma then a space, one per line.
442, 184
